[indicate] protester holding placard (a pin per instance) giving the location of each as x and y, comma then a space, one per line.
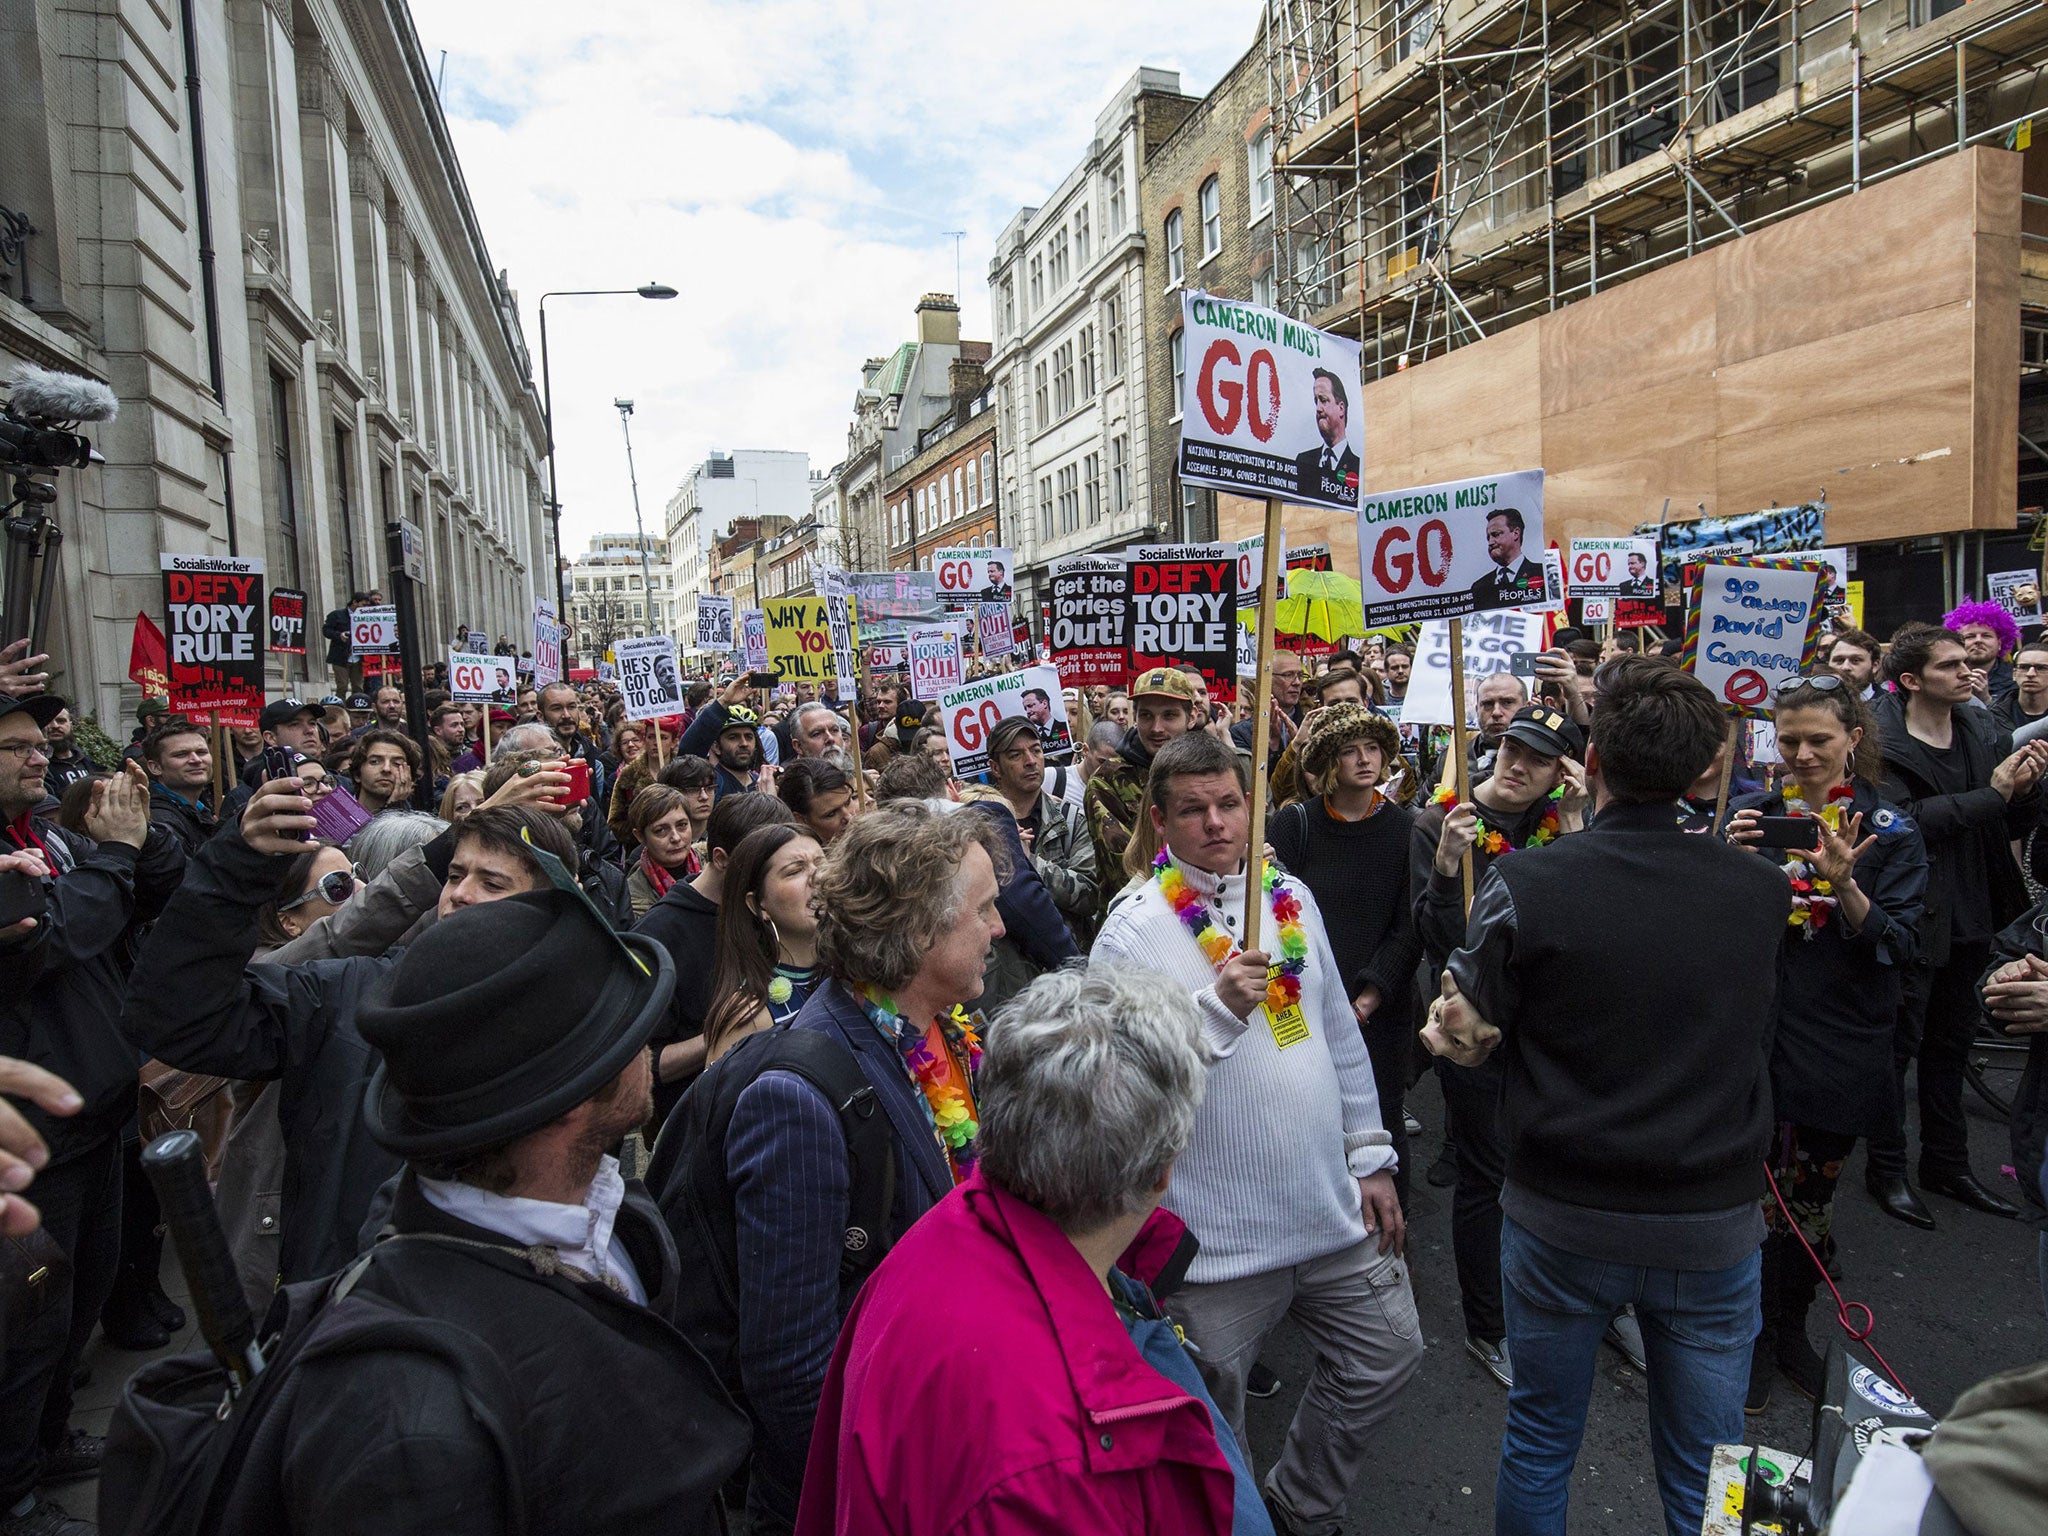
727, 731
1950, 766
1852, 935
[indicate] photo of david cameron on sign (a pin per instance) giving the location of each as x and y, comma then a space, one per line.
1515, 579
1329, 472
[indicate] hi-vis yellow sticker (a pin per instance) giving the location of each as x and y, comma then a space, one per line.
1288, 1025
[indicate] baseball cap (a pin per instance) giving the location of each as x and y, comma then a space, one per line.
278, 711
1543, 729
154, 704
1008, 730
42, 707
358, 701
1164, 683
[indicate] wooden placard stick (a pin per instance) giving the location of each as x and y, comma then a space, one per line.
1461, 767
1262, 729
1727, 770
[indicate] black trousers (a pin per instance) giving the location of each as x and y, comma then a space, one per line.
1472, 1097
1937, 1022
1388, 1043
80, 1199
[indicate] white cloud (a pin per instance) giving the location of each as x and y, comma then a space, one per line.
792, 166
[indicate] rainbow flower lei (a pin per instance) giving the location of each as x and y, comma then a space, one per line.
1491, 841
1813, 898
1283, 990
952, 1112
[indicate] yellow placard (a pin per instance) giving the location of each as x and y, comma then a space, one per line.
799, 639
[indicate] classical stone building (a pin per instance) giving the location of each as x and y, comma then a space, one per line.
247, 218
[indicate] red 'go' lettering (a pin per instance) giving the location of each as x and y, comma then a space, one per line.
1226, 393
1394, 565
1262, 421
1222, 396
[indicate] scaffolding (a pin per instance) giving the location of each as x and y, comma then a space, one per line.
1449, 168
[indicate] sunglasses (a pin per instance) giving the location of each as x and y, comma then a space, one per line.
1820, 682
334, 888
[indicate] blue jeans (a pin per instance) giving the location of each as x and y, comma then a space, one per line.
1698, 1326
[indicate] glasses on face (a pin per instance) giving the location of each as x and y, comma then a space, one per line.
317, 786
1820, 682
334, 888
24, 750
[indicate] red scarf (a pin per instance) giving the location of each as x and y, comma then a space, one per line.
661, 879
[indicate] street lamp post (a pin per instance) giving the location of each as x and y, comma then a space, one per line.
639, 532
547, 407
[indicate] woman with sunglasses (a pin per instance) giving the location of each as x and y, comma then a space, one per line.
1856, 898
316, 883
767, 949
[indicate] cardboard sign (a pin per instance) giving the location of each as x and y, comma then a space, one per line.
1612, 568
1465, 546
649, 683
968, 713
1089, 633
288, 621
998, 635
1492, 642
547, 644
714, 622
1184, 609
754, 638
476, 679
934, 661
967, 573
1751, 627
211, 608
2017, 592
1762, 741
373, 631
1268, 405
799, 639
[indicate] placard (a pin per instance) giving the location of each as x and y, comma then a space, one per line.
547, 644
649, 683
969, 573
2017, 592
1089, 633
998, 635
1751, 627
889, 656
1251, 570
1464, 546
842, 624
934, 661
211, 603
799, 639
1771, 531
1762, 741
1597, 610
968, 713
1268, 405
374, 631
714, 622
288, 621
1612, 568
1492, 641
754, 638
1184, 609
894, 601
476, 678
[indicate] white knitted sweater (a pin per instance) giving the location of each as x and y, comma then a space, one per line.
1269, 1178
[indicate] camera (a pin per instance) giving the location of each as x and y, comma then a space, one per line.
38, 437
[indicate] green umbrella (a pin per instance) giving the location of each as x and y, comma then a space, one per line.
1325, 605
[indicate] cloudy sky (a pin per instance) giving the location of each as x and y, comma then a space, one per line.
792, 166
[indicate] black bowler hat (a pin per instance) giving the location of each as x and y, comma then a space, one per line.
504, 1017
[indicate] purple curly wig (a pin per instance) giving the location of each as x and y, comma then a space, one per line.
1991, 616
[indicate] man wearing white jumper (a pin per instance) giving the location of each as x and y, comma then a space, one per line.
1288, 1180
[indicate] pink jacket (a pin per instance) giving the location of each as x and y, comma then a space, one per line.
984, 1383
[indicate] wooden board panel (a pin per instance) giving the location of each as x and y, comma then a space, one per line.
1651, 331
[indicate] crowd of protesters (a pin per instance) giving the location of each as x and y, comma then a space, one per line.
690, 1073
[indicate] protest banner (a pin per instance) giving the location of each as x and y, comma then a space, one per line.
288, 621
799, 639
1266, 406
969, 573
1553, 584
210, 608
475, 678
1464, 546
1184, 609
373, 631
1089, 629
1248, 652
891, 656
934, 661
1754, 624
149, 664
754, 638
547, 644
891, 602
841, 624
998, 636
649, 683
2017, 592
1774, 530
714, 622
969, 712
1251, 564
1613, 568
1491, 643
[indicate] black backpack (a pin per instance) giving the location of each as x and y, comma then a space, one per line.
686, 1173
179, 1443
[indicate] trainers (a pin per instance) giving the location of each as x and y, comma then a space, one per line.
1259, 1381
46, 1518
1494, 1357
75, 1460
1413, 1125
1626, 1335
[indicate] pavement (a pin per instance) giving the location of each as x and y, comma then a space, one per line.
1953, 1306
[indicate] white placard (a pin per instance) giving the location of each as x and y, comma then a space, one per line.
2017, 592
648, 680
754, 638
968, 713
1611, 568
547, 644
969, 573
1269, 405
1465, 546
1752, 627
998, 633
374, 631
935, 663
476, 679
714, 622
1492, 641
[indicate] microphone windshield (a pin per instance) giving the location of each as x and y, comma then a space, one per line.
47, 398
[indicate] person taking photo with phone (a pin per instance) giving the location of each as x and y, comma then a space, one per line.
1858, 870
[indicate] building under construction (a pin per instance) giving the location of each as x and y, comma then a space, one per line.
1717, 253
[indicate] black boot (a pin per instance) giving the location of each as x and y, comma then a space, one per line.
1763, 1355
128, 1319
1798, 1283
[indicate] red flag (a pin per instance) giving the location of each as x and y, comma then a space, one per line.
149, 665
